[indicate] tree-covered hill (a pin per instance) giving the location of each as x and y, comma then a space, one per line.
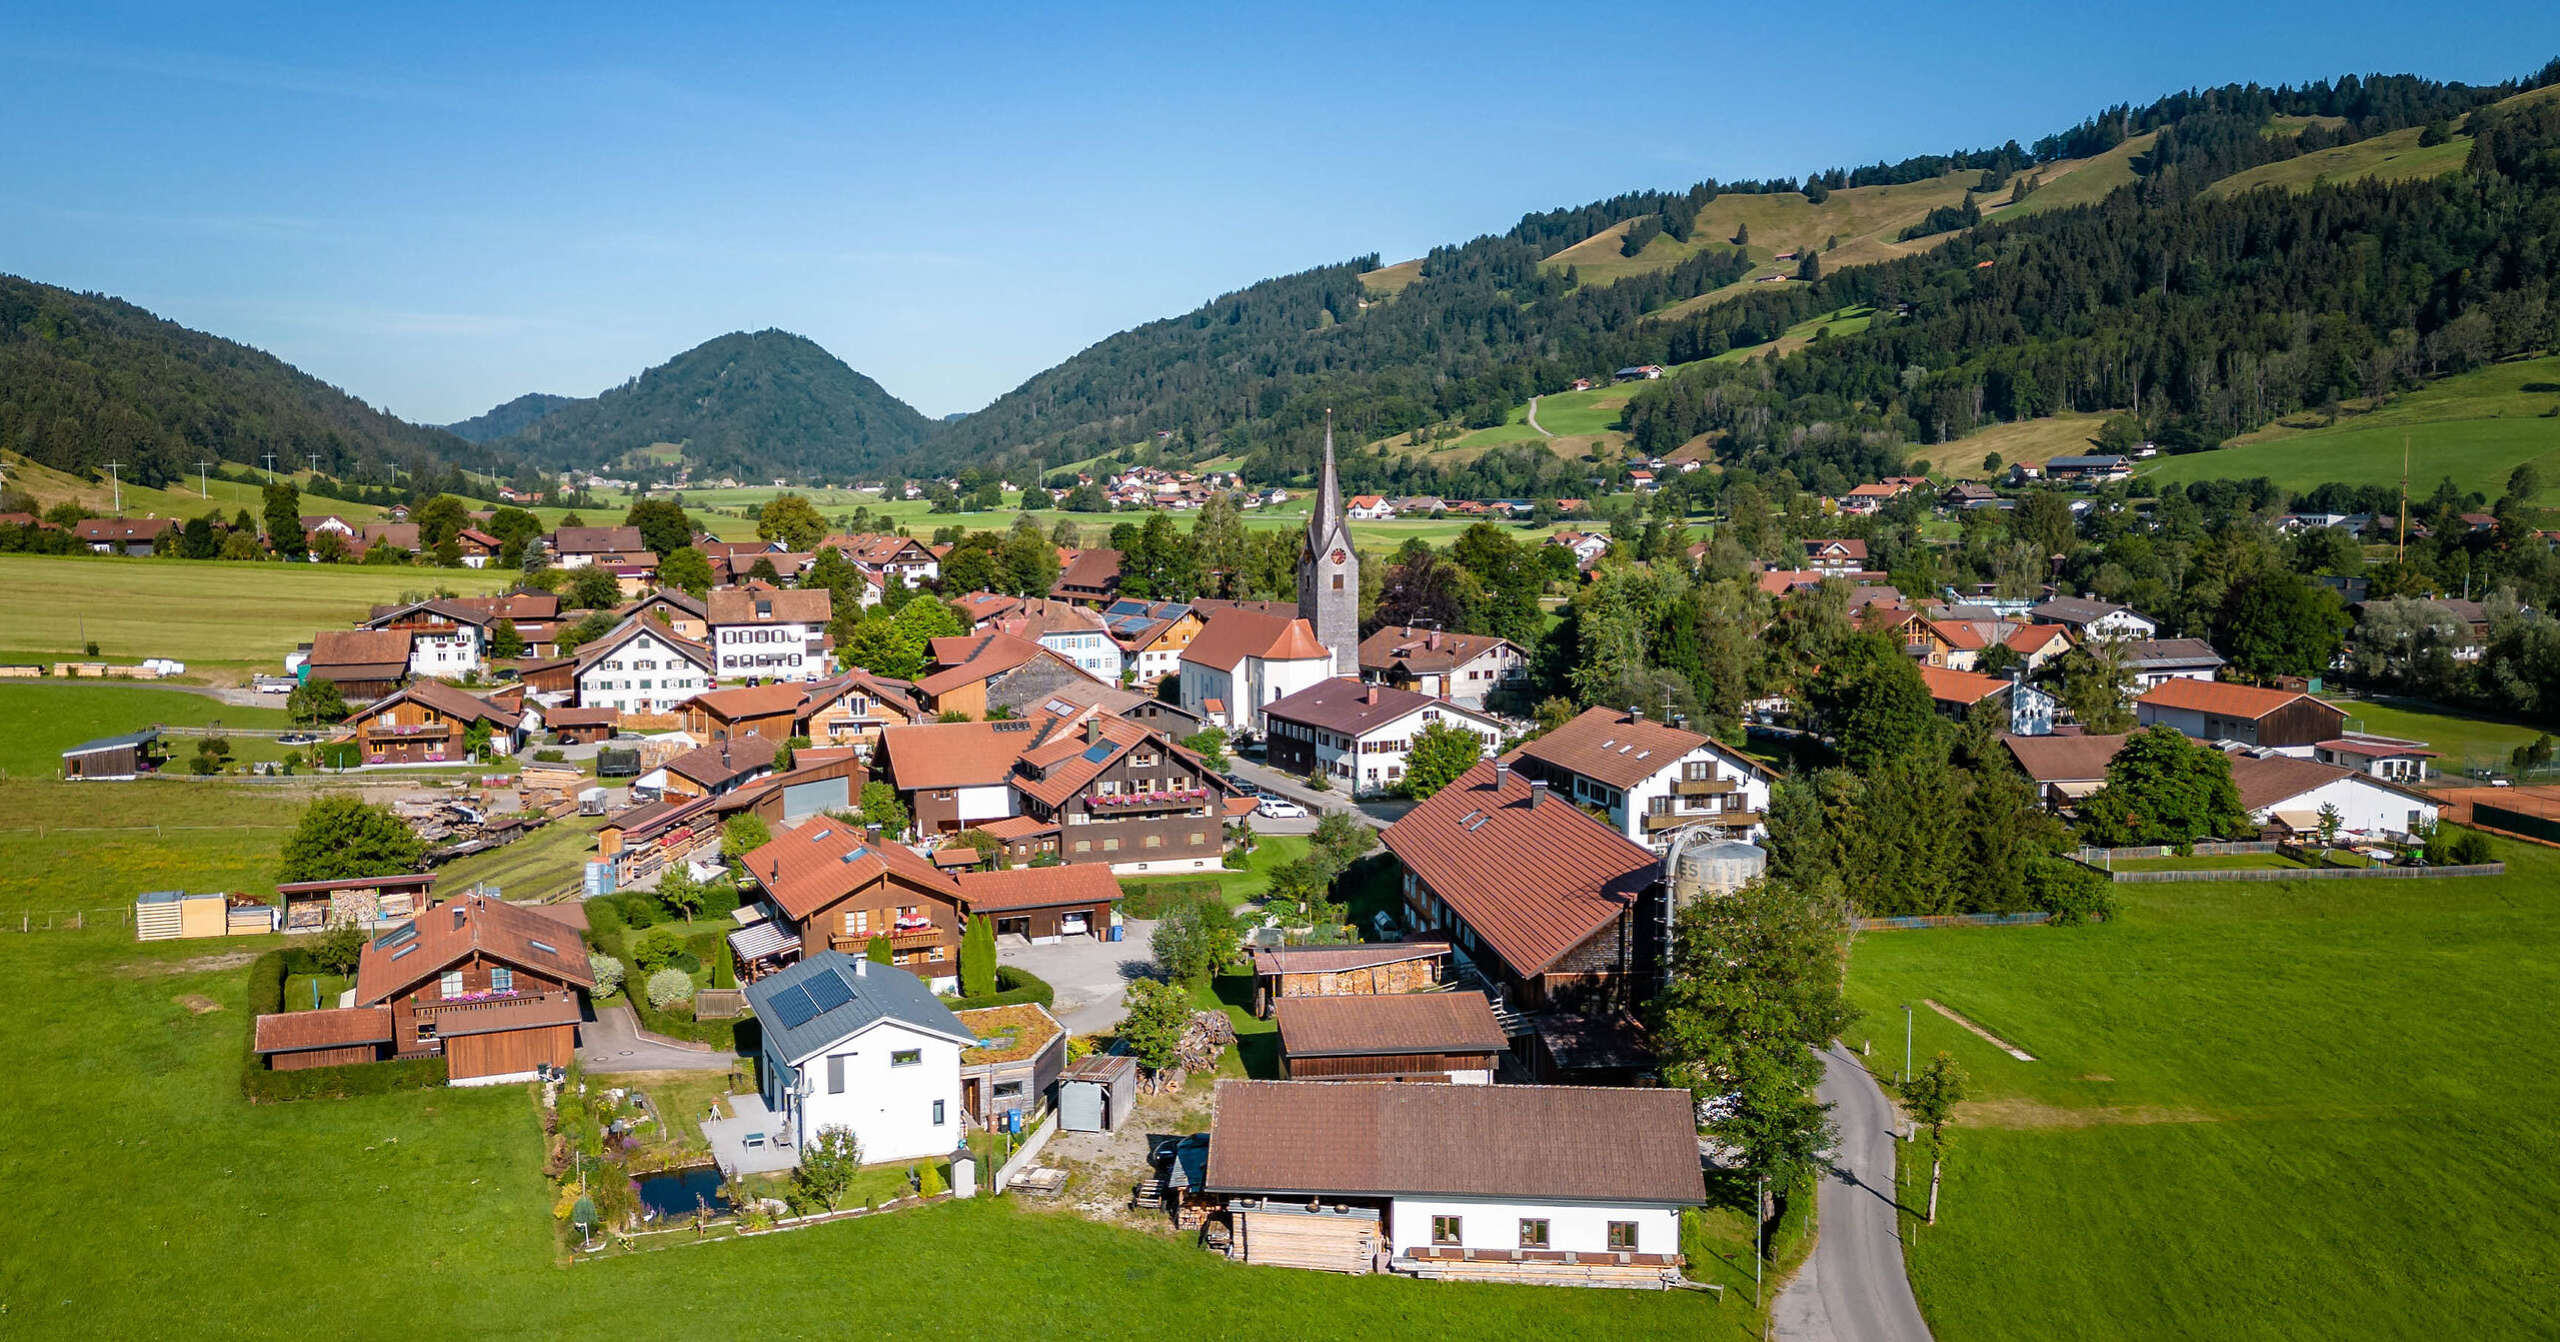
1476, 328
86, 379
511, 417
766, 403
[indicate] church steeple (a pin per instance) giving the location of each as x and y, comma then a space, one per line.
1329, 570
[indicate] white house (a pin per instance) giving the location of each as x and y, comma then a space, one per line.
1461, 668
765, 635
1495, 1182
1243, 660
1078, 634
1362, 735
867, 1047
445, 639
1587, 546
2391, 758
640, 668
1369, 508
2290, 790
1651, 780
2087, 619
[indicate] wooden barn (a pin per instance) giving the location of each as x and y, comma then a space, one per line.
1431, 1037
293, 1040
1346, 971
131, 755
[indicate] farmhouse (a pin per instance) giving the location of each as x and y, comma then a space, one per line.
1565, 1184
1077, 634
837, 888
1122, 795
1461, 668
979, 672
362, 663
641, 668
429, 722
1369, 508
1652, 780
954, 775
1362, 734
891, 558
581, 547
122, 535
1092, 578
710, 771
1835, 556
2095, 468
2065, 769
1449, 1037
675, 609
2285, 720
491, 986
761, 635
1955, 693
851, 1044
446, 638
854, 708
2087, 619
1552, 908
770, 711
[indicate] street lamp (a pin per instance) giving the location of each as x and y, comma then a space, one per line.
1906, 1042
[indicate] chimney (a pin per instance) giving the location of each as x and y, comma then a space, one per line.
1093, 731
1634, 714
1432, 640
1501, 774
1369, 696
862, 966
1537, 793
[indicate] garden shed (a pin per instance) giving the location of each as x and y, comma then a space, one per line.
1008, 1076
114, 757
1095, 1093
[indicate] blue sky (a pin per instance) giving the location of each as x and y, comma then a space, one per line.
440, 207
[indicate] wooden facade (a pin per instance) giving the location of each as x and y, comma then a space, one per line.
509, 1052
407, 732
1188, 823
928, 947
1423, 1067
1410, 976
299, 1059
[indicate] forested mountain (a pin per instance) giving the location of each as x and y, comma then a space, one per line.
509, 418
761, 404
1485, 325
86, 380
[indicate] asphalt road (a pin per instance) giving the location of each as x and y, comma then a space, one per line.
1376, 814
1853, 1288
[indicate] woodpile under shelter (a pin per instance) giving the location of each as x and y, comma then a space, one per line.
366, 901
1345, 971
1431, 1037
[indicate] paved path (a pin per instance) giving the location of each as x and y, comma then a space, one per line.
612, 1042
1533, 419
1853, 1288
1091, 977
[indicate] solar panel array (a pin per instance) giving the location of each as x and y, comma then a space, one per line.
794, 1008
1099, 752
827, 991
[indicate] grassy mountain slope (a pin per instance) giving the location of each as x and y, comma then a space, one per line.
510, 418
86, 379
179, 498
745, 404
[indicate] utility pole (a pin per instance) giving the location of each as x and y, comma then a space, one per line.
2402, 555
271, 467
118, 482
314, 459
1906, 1041
1759, 1228
203, 490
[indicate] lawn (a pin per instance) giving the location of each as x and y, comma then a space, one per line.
2316, 1109
2207, 862
94, 846
1270, 851
41, 719
217, 617
180, 499
2464, 739
148, 1192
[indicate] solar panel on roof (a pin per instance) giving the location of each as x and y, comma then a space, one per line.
395, 936
793, 1007
1097, 752
827, 991
856, 855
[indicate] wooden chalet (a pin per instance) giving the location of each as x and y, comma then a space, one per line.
769, 711
835, 887
1043, 905
493, 987
426, 723
365, 664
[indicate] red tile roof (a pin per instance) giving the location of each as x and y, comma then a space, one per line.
2064, 759
1078, 883
750, 701
452, 929
1233, 635
334, 1027
955, 754
2226, 699
1347, 706
805, 869
1452, 1022
805, 605
1423, 651
1524, 1143
1619, 750
1959, 687
987, 656
1533, 880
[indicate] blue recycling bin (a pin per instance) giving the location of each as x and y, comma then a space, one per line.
1013, 1120
1116, 930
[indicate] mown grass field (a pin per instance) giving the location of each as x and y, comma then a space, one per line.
213, 615
2463, 737
92, 847
549, 860
2035, 441
2315, 1109
180, 500
1846, 321
152, 1200
2208, 862
39, 720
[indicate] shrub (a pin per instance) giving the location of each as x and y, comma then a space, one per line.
1152, 899
687, 961
657, 950
2072, 893
2470, 848
639, 908
608, 972
668, 987
604, 919
550, 757
1013, 988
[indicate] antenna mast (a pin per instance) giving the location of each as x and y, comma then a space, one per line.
118, 482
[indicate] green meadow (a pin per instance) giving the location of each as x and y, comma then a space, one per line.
2314, 1109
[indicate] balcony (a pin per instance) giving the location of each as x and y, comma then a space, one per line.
1656, 822
900, 939
1701, 787
406, 731
1100, 806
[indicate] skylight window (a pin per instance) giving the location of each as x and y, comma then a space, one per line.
543, 946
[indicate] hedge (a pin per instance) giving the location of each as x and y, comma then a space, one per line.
1013, 988
675, 1024
267, 974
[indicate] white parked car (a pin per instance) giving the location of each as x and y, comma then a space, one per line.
1280, 808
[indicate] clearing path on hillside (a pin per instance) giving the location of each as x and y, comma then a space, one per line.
1533, 419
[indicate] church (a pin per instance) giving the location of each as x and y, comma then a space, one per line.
1244, 659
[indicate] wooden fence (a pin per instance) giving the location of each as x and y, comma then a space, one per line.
1917, 922
2306, 874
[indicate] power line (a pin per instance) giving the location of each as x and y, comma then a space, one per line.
203, 490
112, 468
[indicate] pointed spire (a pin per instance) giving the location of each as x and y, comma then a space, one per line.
1328, 509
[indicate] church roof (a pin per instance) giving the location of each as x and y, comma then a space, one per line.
1326, 524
